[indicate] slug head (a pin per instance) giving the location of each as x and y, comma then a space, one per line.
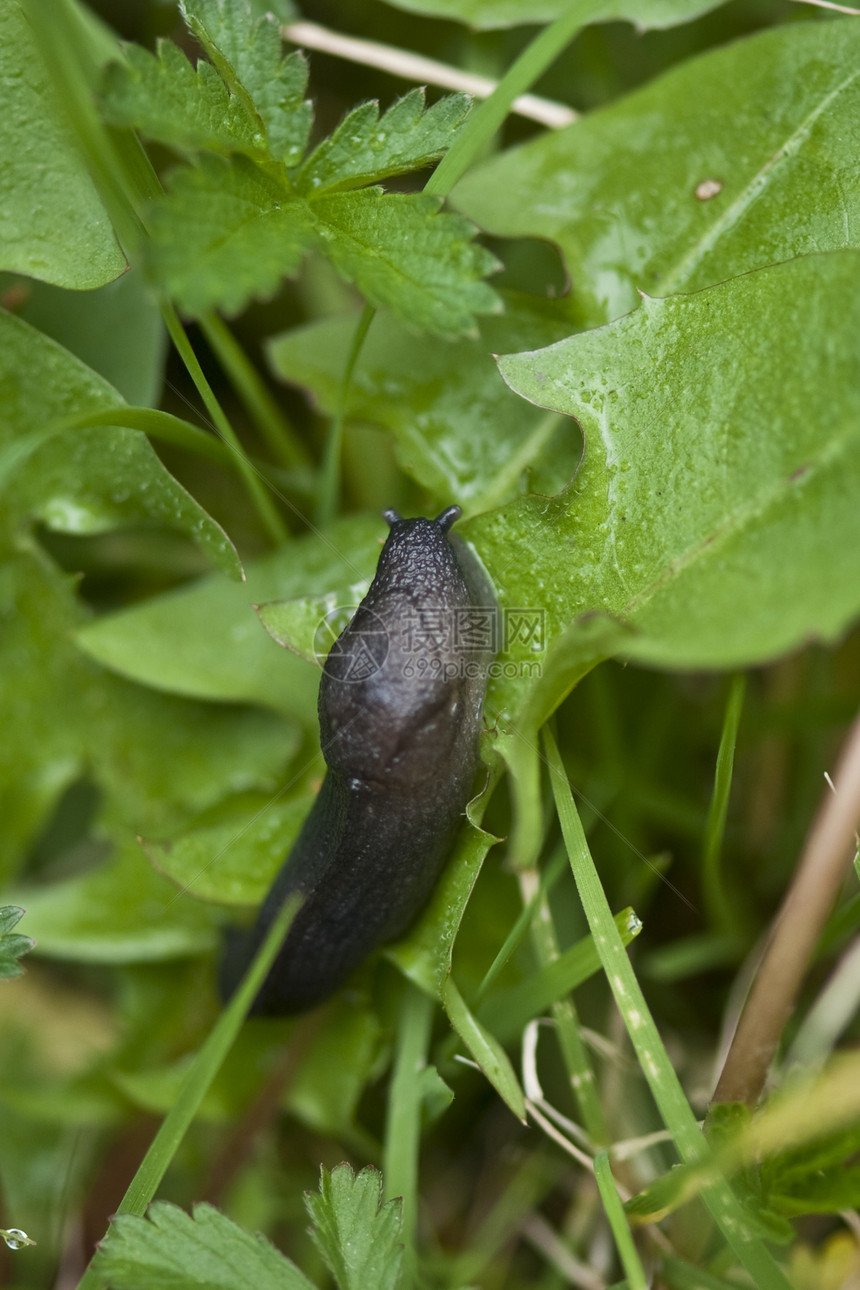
400, 699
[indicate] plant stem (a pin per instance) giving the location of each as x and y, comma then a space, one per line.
252, 480
403, 1122
653, 1058
198, 1081
251, 388
827, 854
721, 907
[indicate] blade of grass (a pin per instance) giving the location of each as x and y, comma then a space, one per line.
485, 1048
580, 1072
329, 490
520, 76
480, 127
627, 1253
664, 1083
253, 482
251, 388
198, 1081
548, 878
403, 1120
508, 1011
723, 910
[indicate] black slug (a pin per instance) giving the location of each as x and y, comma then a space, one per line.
400, 713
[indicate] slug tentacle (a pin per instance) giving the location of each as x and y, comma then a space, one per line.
400, 713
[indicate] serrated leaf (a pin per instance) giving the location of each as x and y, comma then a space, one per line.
405, 254
52, 223
729, 162
356, 1232
247, 53
187, 108
13, 945
175, 1251
227, 233
364, 149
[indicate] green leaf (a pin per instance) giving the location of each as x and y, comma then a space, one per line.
227, 233
458, 429
364, 149
506, 1012
169, 641
232, 853
52, 223
175, 1251
773, 121
405, 254
119, 912
309, 625
115, 331
160, 761
425, 954
487, 14
12, 944
709, 455
83, 481
357, 1234
247, 54
485, 1048
187, 108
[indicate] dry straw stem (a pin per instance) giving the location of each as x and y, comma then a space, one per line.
415, 67
829, 848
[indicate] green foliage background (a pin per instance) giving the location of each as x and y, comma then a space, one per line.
627, 347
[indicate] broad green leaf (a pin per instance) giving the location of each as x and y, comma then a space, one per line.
364, 149
487, 14
83, 481
404, 254
187, 108
247, 53
714, 521
356, 1232
52, 223
729, 162
232, 853
13, 945
459, 430
227, 233
175, 1251
119, 912
116, 331
206, 640
159, 760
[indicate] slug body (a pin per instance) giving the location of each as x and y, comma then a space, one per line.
400, 714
